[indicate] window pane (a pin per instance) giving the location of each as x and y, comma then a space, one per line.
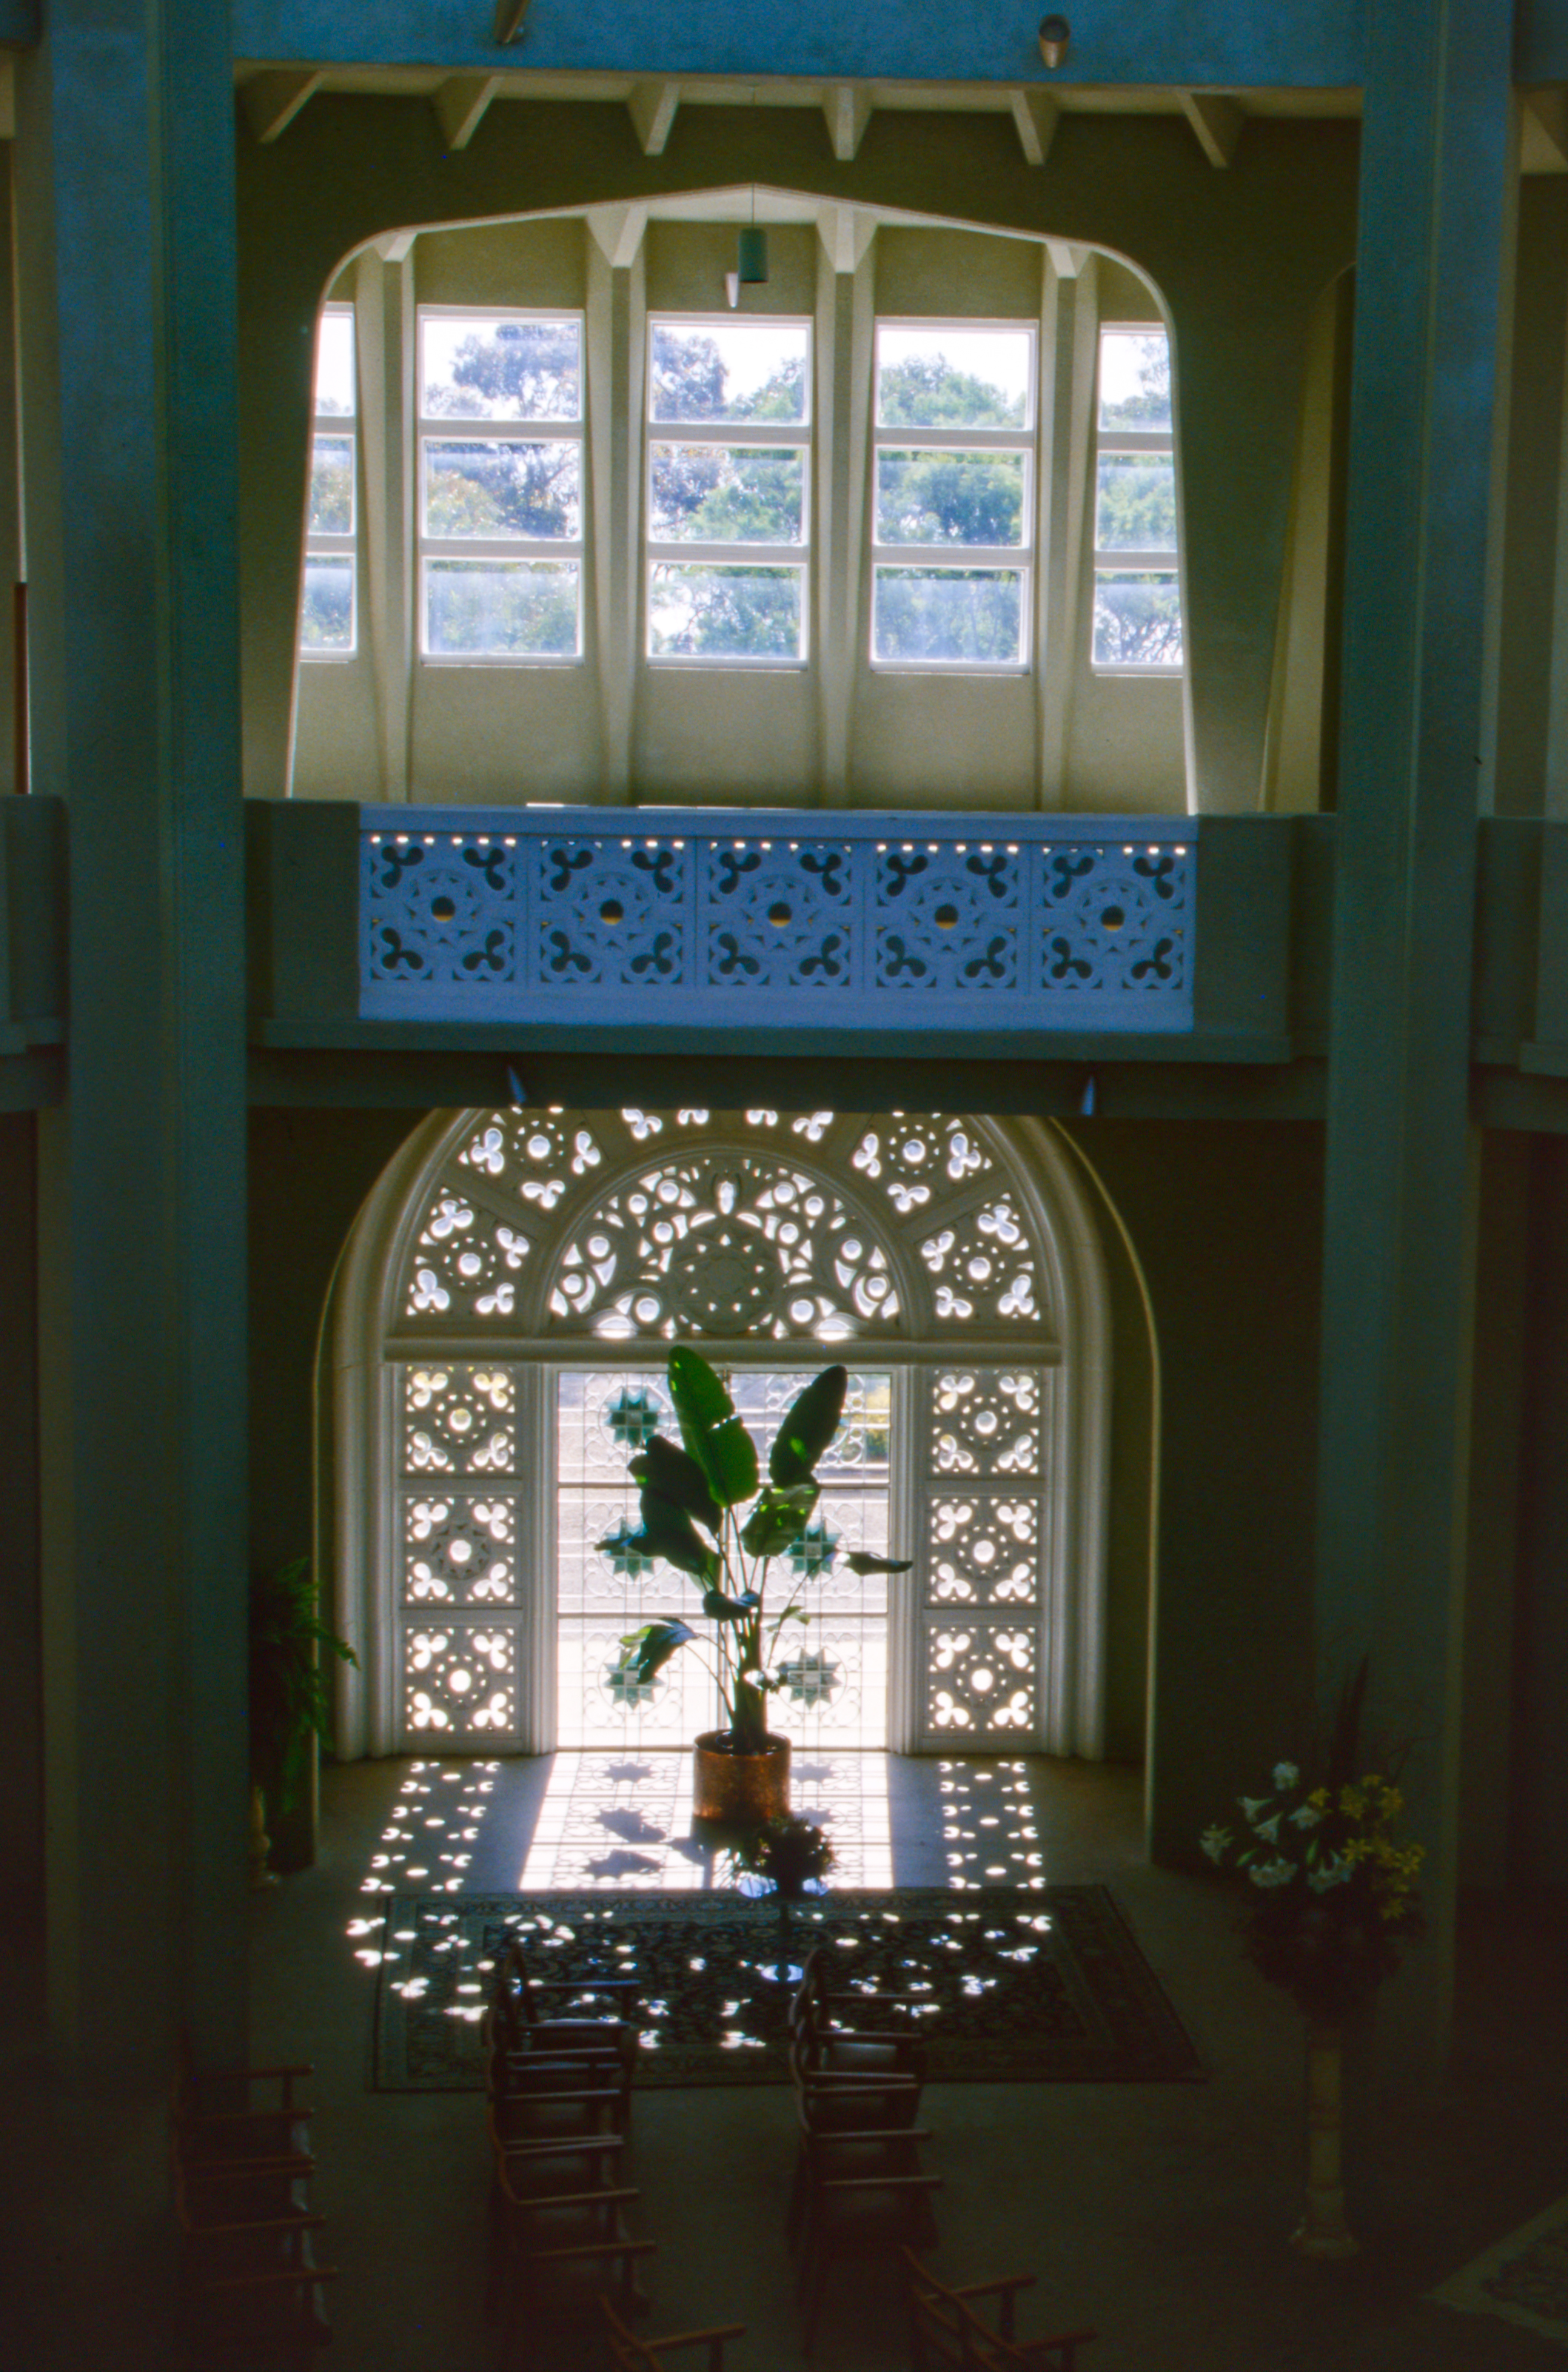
950, 497
1134, 380
1137, 622
331, 486
753, 370
725, 614
1136, 510
325, 618
473, 369
501, 609
973, 614
722, 493
507, 488
947, 376
334, 365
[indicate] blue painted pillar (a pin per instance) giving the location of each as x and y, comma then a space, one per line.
124, 186
1433, 250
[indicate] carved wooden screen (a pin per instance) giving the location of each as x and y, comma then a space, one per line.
551, 1259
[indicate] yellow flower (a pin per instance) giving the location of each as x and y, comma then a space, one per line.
1353, 1801
1319, 1799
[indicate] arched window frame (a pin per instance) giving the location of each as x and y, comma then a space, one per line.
368, 1334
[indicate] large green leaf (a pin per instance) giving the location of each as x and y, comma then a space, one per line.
678, 1477
673, 1536
720, 1609
714, 1434
811, 1421
779, 1518
858, 1561
655, 1644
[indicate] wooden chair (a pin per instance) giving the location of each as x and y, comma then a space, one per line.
560, 2248
520, 2023
859, 2189
945, 2330
543, 2096
832, 2027
249, 2285
629, 2353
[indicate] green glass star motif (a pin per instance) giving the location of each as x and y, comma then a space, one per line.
625, 1690
814, 1551
811, 1680
623, 1557
631, 1418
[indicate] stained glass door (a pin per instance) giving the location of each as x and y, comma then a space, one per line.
832, 1652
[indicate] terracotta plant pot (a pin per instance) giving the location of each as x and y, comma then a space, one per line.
740, 1790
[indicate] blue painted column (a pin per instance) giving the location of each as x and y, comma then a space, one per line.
1435, 232
124, 186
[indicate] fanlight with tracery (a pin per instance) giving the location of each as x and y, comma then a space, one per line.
631, 1225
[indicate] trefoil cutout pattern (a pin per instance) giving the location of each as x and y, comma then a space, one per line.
582, 1244
899, 922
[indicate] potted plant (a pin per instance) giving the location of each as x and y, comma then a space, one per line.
1332, 1907
706, 1509
290, 1709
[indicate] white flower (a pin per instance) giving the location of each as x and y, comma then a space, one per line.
1333, 1873
1215, 1844
1273, 1873
1304, 1816
1269, 1829
1252, 1806
1286, 1774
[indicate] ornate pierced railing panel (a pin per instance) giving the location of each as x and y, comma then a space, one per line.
967, 922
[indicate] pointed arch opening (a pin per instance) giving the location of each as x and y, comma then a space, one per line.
505, 1306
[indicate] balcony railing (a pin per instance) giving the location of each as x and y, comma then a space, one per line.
777, 918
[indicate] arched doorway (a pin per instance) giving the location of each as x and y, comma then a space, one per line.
505, 1308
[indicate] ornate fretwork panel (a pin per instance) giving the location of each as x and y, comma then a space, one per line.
466, 1261
982, 1517
913, 1161
985, 1270
460, 1550
988, 1420
904, 921
983, 1681
459, 1679
723, 1244
458, 1419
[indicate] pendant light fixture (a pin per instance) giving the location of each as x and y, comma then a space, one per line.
750, 257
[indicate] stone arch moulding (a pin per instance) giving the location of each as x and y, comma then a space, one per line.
960, 1253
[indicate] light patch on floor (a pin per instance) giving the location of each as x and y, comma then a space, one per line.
620, 1820
1524, 2280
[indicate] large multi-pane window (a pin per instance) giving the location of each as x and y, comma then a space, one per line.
728, 489
501, 484
326, 612
1137, 608
953, 497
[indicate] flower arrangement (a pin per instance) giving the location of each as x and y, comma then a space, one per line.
789, 1853
1336, 1899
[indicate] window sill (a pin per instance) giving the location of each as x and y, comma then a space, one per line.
500, 659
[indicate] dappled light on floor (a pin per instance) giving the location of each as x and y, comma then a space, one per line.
428, 1845
614, 1820
987, 1824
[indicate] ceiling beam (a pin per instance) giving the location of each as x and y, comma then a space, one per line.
395, 246
848, 111
652, 107
509, 15
1035, 117
1217, 123
273, 100
619, 230
1067, 257
845, 232
461, 106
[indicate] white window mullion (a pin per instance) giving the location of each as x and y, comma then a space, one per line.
1137, 607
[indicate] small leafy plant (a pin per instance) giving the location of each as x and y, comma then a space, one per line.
289, 1700
1336, 1899
706, 1509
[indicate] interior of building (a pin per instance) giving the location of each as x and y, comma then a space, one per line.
1057, 530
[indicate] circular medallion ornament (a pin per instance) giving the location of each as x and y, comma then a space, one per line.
723, 1280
